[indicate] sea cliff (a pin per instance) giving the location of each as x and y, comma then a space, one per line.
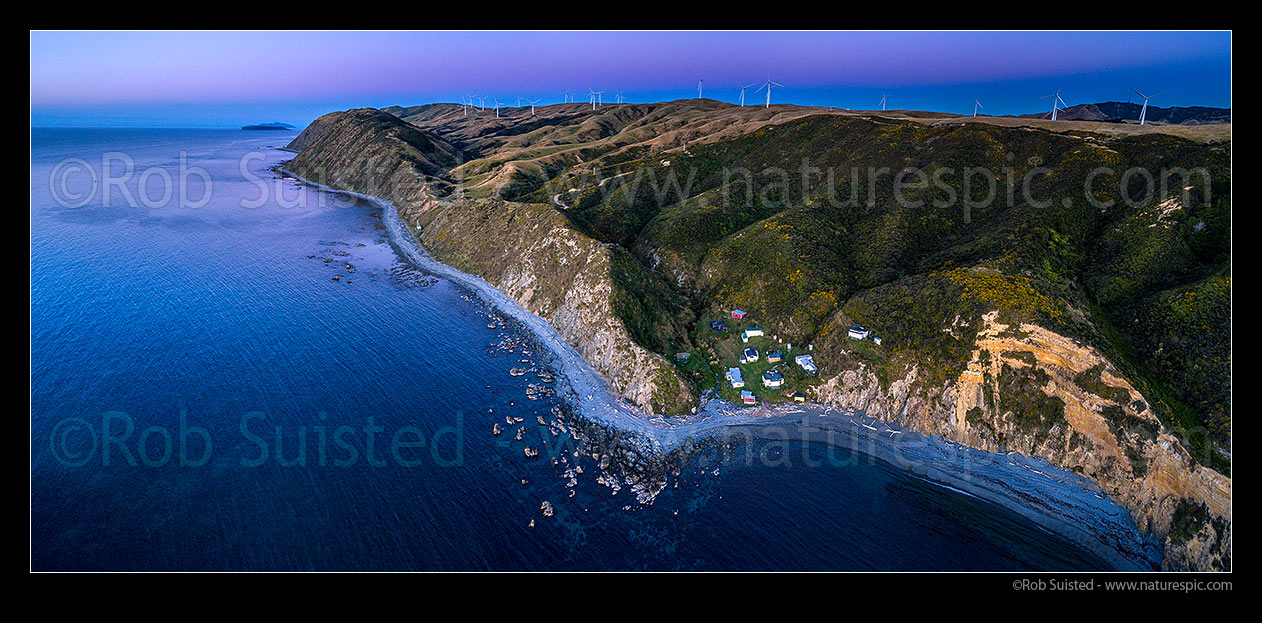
527, 251
1021, 386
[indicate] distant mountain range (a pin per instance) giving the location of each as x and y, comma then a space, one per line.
1125, 111
275, 125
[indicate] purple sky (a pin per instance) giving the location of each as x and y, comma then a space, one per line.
231, 78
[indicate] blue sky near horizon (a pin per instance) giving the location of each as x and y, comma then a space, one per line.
228, 79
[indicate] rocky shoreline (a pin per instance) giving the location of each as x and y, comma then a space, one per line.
643, 451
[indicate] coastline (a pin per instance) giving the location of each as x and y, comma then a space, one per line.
1059, 501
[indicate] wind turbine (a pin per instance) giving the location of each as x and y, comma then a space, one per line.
767, 85
619, 96
883, 96
595, 98
699, 84
1143, 112
482, 102
497, 107
976, 104
1055, 100
519, 99
532, 105
742, 88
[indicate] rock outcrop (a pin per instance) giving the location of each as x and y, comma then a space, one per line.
1076, 412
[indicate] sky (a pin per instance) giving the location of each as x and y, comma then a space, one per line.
233, 78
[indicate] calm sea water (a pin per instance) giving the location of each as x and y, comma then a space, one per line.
155, 329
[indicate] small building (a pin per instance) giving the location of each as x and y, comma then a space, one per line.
749, 355
876, 340
807, 363
799, 397
748, 398
775, 357
682, 357
751, 332
718, 325
858, 333
734, 377
739, 314
772, 379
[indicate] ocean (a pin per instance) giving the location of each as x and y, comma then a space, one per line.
205, 395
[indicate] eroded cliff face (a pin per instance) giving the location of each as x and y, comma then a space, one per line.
531, 254
1033, 391
526, 251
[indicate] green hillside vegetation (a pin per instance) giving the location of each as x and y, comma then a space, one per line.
806, 265
713, 208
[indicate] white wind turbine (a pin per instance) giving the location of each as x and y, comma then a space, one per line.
618, 95
482, 102
519, 99
1143, 112
596, 101
976, 104
742, 88
1055, 101
700, 81
883, 96
497, 107
532, 105
767, 85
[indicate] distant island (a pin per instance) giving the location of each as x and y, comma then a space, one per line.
275, 125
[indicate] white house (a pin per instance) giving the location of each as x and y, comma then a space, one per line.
749, 355
751, 332
748, 398
858, 333
807, 363
772, 380
734, 377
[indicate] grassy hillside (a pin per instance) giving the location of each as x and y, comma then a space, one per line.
800, 216
799, 224
1077, 309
